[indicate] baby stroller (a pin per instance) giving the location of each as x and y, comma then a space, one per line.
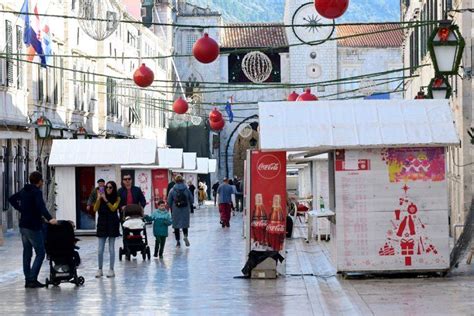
135, 239
62, 254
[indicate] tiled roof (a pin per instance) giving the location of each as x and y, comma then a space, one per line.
254, 35
260, 35
391, 38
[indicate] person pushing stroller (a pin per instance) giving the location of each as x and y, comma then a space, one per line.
161, 219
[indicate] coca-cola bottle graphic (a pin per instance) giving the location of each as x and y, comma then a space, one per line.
276, 226
259, 221
156, 197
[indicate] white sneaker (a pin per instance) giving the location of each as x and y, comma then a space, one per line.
99, 273
186, 241
110, 274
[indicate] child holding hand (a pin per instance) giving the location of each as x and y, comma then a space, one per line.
161, 219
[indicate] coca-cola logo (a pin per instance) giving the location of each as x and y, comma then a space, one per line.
268, 167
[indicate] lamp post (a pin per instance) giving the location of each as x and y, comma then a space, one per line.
43, 127
43, 130
439, 88
446, 46
81, 133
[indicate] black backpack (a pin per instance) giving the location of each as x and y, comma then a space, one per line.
180, 198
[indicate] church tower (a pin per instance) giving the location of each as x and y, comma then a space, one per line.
313, 55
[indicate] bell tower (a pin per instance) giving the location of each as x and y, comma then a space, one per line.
313, 56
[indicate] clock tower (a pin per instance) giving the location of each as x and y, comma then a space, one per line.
313, 50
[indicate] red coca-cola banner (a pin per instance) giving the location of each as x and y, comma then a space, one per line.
267, 200
160, 184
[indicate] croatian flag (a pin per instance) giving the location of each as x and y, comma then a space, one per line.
228, 109
32, 34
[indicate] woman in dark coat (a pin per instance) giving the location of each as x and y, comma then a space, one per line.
108, 224
180, 201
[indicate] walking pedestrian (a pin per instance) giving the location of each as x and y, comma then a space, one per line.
180, 200
239, 196
214, 191
29, 202
233, 202
130, 194
224, 197
202, 195
108, 224
93, 196
192, 188
161, 219
170, 186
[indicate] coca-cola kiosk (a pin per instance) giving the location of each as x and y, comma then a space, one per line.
265, 211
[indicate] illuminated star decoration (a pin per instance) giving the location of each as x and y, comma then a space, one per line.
313, 23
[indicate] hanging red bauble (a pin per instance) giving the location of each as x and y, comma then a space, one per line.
180, 106
206, 50
143, 76
215, 115
217, 126
331, 9
293, 96
307, 96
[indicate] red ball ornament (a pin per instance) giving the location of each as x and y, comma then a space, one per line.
215, 115
307, 96
331, 9
206, 50
180, 106
293, 96
143, 76
217, 126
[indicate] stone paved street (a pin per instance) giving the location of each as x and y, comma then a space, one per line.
200, 281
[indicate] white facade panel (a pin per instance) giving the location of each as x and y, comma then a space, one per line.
65, 177
392, 211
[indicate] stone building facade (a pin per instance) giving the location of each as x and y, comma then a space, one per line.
299, 65
417, 58
77, 91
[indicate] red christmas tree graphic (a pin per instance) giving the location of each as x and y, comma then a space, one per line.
406, 236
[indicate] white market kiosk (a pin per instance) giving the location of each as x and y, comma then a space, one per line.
387, 176
190, 172
80, 163
167, 158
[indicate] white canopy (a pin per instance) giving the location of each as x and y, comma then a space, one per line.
204, 166
169, 158
212, 165
189, 161
328, 125
94, 152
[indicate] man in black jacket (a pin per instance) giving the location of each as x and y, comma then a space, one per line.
130, 194
29, 202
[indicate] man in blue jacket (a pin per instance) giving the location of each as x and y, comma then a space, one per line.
130, 194
29, 202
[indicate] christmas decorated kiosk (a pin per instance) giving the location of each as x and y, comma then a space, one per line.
80, 163
387, 176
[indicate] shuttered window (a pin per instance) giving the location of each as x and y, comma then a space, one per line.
9, 51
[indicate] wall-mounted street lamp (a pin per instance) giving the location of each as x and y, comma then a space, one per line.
43, 127
439, 88
446, 46
81, 133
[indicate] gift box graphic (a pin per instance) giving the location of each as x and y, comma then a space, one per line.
407, 246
